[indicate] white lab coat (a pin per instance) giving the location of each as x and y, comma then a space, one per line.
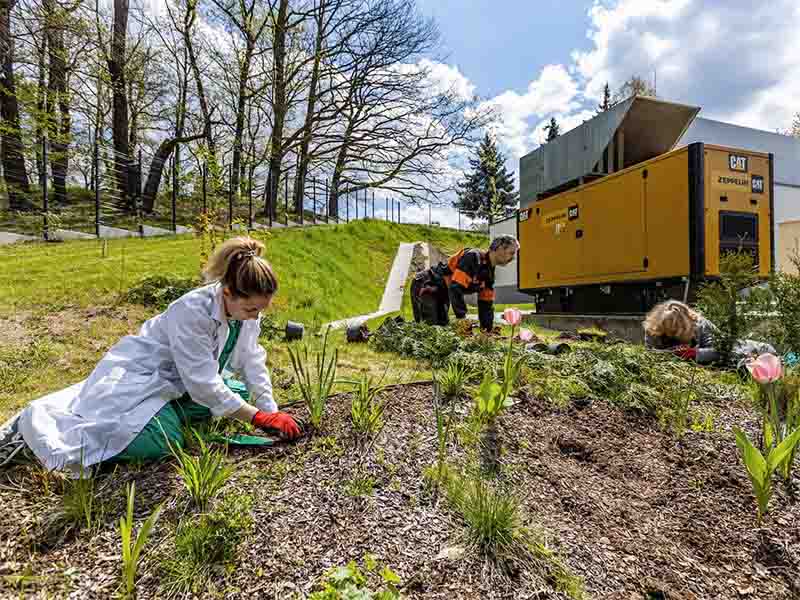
175, 352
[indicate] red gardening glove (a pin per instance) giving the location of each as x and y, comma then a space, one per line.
685, 352
279, 421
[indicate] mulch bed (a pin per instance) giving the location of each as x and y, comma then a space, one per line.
633, 510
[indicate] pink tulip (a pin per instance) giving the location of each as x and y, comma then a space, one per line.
512, 316
766, 368
526, 335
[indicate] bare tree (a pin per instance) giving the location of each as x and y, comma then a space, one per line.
13, 158
119, 121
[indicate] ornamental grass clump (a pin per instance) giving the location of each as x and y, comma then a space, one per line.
315, 379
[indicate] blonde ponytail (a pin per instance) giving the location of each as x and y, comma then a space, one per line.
238, 265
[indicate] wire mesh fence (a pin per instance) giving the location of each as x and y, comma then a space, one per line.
128, 196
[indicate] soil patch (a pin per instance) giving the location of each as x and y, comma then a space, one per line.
630, 508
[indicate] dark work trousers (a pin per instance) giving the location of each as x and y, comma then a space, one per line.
430, 308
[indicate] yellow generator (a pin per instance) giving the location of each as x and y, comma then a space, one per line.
643, 233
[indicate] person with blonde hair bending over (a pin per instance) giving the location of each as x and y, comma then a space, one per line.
673, 325
134, 403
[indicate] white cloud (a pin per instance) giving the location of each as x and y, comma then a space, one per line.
554, 91
445, 77
738, 61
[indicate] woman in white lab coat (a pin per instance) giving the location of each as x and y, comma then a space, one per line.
171, 373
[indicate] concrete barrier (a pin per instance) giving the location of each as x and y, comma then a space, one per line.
110, 233
6, 237
68, 234
626, 327
150, 231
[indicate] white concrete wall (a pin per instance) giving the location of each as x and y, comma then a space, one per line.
787, 209
505, 276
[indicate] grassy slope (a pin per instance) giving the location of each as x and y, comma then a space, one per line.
51, 293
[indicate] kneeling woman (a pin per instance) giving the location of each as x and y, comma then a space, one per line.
672, 325
148, 385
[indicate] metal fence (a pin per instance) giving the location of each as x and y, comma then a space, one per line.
122, 197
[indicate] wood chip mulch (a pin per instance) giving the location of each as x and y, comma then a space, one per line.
636, 512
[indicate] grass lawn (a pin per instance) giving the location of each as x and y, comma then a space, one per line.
61, 308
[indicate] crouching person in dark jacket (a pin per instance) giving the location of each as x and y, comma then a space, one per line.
469, 271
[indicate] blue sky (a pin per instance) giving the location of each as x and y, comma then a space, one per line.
738, 60
506, 43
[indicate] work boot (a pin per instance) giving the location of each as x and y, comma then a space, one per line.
13, 449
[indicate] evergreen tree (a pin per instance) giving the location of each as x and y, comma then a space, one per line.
487, 190
553, 130
606, 104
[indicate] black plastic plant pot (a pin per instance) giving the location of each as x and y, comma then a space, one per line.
537, 347
357, 332
557, 348
294, 331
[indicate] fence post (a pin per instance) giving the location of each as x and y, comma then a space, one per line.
250, 199
96, 167
347, 210
138, 199
45, 204
174, 195
398, 211
356, 205
205, 188
459, 219
373, 203
314, 193
286, 199
327, 204
230, 197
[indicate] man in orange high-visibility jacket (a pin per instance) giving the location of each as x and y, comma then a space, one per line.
469, 271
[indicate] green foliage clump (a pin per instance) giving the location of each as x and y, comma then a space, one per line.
159, 291
416, 340
352, 583
784, 329
206, 541
721, 303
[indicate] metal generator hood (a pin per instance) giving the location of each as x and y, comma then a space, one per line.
635, 130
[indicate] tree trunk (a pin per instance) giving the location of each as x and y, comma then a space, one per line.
116, 68
165, 149
188, 23
57, 101
302, 166
13, 159
41, 104
279, 108
244, 75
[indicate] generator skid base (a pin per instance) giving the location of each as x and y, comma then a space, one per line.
614, 298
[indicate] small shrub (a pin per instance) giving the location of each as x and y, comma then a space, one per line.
159, 291
495, 527
132, 546
351, 583
784, 328
79, 499
366, 411
360, 485
203, 475
207, 541
315, 390
452, 380
720, 303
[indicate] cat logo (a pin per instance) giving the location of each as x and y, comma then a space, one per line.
572, 212
757, 184
736, 162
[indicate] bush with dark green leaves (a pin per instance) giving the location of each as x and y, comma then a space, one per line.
159, 291
721, 302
